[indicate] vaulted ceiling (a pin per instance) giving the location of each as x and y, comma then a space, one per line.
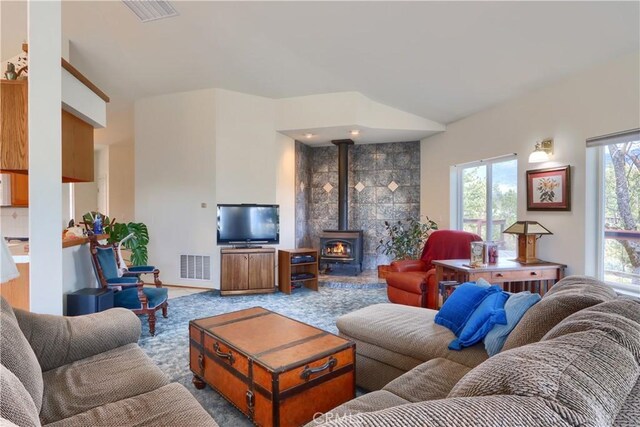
439, 60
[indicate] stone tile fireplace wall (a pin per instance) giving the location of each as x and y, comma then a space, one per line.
384, 185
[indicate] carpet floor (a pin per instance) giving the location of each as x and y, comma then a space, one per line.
169, 349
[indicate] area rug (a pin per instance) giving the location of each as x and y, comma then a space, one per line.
169, 349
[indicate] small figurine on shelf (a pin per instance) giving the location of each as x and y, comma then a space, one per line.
11, 74
97, 225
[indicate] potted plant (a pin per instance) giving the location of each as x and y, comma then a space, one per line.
118, 231
404, 240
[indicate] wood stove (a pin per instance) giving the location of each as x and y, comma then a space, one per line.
342, 249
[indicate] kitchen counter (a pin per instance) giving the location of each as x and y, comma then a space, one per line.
77, 270
21, 259
20, 248
81, 240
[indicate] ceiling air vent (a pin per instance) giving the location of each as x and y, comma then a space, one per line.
151, 10
195, 267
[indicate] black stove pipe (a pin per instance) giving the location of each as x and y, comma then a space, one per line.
343, 182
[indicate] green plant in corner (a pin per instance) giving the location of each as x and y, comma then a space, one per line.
405, 239
119, 230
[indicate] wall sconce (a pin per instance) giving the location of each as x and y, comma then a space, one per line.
543, 151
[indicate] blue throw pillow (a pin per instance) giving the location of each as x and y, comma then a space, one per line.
460, 305
515, 307
483, 283
489, 313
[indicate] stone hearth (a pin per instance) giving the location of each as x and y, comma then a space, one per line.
384, 185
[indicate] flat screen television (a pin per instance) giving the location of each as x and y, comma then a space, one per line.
248, 224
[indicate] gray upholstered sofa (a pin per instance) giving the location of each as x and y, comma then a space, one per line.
85, 371
572, 360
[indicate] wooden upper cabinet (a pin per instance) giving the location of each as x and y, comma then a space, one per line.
14, 142
19, 190
77, 136
77, 149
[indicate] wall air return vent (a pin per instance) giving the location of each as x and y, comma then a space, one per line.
151, 10
195, 267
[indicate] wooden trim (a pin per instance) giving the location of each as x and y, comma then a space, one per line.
250, 291
78, 75
165, 285
232, 321
81, 241
292, 344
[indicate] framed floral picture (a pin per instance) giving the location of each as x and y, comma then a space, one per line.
549, 189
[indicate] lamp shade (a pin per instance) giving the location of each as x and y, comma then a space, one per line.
538, 156
8, 269
526, 227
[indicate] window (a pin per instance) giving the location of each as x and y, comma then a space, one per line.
488, 200
619, 200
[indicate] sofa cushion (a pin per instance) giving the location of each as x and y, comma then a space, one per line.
18, 356
630, 412
619, 318
376, 367
515, 307
490, 312
97, 380
369, 402
407, 331
59, 340
458, 308
16, 405
566, 297
170, 405
431, 380
586, 375
487, 411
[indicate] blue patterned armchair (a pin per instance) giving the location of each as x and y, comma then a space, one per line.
129, 290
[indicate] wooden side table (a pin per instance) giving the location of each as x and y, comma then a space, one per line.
287, 266
511, 275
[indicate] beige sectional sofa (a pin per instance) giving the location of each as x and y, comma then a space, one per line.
85, 371
572, 360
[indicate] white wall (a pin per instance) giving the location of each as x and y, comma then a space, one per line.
212, 146
45, 157
77, 270
174, 173
245, 148
345, 109
254, 163
595, 102
122, 182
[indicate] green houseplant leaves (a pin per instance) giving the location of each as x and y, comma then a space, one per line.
118, 231
405, 239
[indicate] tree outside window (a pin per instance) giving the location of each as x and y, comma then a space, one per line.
488, 200
622, 213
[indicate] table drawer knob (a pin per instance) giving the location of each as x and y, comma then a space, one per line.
533, 273
498, 274
307, 371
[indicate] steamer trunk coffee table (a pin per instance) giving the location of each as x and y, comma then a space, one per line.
275, 370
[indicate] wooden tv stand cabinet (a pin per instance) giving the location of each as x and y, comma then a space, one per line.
247, 271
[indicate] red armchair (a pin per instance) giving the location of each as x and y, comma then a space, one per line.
413, 282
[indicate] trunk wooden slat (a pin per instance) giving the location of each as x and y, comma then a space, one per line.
275, 370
